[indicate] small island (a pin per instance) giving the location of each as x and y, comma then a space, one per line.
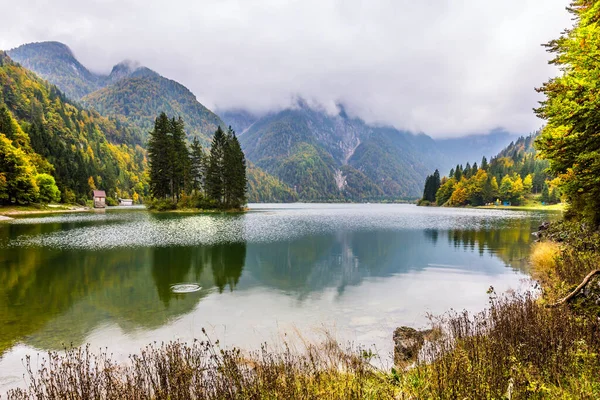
185, 179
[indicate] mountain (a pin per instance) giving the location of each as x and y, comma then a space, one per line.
143, 93
131, 97
336, 157
320, 156
240, 120
473, 147
130, 92
43, 132
56, 63
327, 157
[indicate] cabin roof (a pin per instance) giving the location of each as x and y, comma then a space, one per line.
99, 193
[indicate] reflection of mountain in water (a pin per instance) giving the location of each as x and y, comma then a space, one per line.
51, 296
314, 263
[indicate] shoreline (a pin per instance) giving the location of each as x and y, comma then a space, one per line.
11, 211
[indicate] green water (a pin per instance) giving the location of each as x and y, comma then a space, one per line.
356, 271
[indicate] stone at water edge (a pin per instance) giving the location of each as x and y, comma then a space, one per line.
407, 344
588, 298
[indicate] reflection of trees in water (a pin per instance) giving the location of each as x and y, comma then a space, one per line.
511, 243
227, 263
53, 297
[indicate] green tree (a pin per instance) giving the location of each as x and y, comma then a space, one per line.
158, 158
554, 197
484, 164
570, 139
48, 190
234, 174
179, 158
215, 167
545, 197
506, 188
197, 161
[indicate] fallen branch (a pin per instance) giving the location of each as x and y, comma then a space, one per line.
577, 289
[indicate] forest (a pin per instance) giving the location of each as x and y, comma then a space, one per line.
512, 177
54, 150
182, 177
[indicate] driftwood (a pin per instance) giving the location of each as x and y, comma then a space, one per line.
577, 289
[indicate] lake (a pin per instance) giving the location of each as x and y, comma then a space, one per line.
276, 273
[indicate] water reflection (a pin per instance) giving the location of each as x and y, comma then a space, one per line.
50, 295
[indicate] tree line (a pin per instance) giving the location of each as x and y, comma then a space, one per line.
188, 177
512, 176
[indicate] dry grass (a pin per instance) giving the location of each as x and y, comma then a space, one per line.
544, 261
202, 370
517, 349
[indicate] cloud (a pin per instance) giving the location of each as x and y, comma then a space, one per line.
446, 68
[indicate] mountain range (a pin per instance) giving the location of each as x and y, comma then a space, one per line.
300, 152
325, 157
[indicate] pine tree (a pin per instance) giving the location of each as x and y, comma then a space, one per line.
436, 182
196, 166
545, 198
179, 158
484, 164
458, 173
554, 197
467, 171
235, 172
570, 139
158, 158
427, 188
215, 167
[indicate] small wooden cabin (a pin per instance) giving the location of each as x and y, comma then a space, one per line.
99, 199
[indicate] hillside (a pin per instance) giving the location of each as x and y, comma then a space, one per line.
130, 92
328, 157
131, 97
513, 176
319, 156
56, 63
143, 93
44, 132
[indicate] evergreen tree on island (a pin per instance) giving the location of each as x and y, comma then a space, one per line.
216, 180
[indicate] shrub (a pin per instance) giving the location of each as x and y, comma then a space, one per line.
160, 204
48, 190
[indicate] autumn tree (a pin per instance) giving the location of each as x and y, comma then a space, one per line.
571, 140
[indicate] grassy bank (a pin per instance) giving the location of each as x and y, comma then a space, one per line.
530, 205
40, 209
202, 370
523, 346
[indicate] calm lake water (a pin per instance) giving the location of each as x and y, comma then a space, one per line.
355, 271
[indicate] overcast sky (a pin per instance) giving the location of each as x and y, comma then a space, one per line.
445, 68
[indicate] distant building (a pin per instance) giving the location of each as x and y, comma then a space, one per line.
125, 202
99, 199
